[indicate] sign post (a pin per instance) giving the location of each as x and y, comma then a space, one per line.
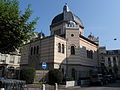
44, 66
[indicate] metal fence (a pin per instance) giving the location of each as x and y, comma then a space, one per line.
10, 84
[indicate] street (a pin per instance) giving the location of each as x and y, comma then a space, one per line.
111, 86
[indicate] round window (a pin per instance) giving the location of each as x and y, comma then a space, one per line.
72, 35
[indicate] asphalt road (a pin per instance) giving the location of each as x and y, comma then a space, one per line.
111, 86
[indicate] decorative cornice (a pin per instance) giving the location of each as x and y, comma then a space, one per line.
88, 40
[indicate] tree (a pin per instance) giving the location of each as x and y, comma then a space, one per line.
27, 74
14, 26
55, 76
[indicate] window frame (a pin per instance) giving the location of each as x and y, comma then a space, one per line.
59, 47
63, 50
72, 50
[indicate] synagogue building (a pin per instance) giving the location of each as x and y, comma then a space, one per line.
66, 48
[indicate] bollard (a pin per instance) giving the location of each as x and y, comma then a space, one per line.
43, 87
2, 89
56, 86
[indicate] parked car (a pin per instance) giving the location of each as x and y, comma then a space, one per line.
118, 76
110, 78
97, 79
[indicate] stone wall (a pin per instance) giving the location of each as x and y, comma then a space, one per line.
41, 76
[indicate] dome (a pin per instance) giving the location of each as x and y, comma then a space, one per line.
93, 38
41, 35
58, 18
67, 15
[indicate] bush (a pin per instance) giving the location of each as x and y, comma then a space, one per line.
55, 76
27, 74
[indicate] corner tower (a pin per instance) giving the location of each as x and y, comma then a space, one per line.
65, 20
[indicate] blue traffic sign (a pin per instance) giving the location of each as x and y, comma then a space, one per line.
44, 65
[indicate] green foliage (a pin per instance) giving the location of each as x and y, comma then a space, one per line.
55, 76
14, 26
27, 74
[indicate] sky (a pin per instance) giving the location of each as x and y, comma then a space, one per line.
99, 17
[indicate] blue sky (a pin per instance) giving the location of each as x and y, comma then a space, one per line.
101, 17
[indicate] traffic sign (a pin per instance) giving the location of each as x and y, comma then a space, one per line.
44, 65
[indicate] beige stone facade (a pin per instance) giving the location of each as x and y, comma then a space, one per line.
46, 51
66, 48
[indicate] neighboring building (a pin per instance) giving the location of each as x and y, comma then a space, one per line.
66, 48
110, 59
9, 62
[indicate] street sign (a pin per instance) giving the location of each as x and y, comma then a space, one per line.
44, 65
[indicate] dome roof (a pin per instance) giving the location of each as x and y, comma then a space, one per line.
58, 18
41, 35
67, 15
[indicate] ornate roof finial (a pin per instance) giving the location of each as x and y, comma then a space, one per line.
90, 33
41, 30
66, 8
41, 35
90, 36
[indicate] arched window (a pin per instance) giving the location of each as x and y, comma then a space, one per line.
72, 50
59, 47
62, 48
114, 61
37, 49
109, 62
31, 50
91, 54
34, 50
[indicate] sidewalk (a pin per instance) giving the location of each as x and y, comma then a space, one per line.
50, 87
69, 88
